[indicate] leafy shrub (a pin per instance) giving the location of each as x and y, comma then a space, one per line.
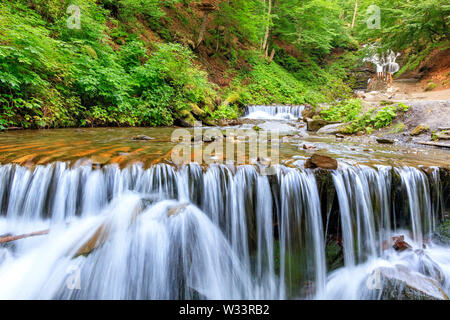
376, 120
225, 112
343, 111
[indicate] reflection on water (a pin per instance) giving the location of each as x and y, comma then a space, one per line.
115, 145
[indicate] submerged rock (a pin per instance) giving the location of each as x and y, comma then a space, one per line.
141, 137
319, 161
400, 283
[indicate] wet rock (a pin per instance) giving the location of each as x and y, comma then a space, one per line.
207, 139
176, 209
308, 111
420, 129
428, 267
385, 141
230, 122
315, 125
400, 244
331, 128
309, 147
142, 137
340, 136
400, 283
319, 161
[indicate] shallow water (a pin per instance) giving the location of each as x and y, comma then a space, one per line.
115, 145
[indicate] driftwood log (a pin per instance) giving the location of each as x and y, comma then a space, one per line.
23, 236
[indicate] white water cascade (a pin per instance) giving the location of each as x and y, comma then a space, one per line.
274, 112
226, 233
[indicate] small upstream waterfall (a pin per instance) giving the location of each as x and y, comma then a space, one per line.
274, 112
223, 233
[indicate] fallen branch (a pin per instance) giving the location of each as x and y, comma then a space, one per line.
23, 236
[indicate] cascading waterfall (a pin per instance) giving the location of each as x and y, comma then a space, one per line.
226, 233
274, 112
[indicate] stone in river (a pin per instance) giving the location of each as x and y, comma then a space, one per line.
141, 137
385, 141
401, 283
420, 129
319, 161
331, 128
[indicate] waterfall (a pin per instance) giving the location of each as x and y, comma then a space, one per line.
386, 62
274, 112
222, 232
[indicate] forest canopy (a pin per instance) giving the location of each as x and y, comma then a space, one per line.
152, 62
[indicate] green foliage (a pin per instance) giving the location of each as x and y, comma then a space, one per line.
268, 83
343, 111
66, 77
314, 26
225, 112
373, 119
405, 24
431, 86
109, 72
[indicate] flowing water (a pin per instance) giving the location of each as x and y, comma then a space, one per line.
274, 112
223, 232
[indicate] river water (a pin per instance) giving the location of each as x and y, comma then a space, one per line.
124, 223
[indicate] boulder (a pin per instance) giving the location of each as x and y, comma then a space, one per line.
400, 283
420, 129
316, 124
331, 128
319, 161
308, 111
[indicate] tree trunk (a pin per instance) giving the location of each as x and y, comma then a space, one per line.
202, 29
272, 54
266, 36
354, 13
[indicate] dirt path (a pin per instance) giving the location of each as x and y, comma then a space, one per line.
426, 108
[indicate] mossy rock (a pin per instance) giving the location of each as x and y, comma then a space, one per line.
187, 116
397, 128
431, 86
420, 129
232, 98
195, 109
